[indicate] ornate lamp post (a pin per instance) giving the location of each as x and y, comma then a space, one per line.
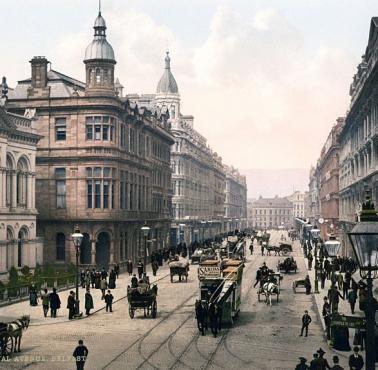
77, 238
315, 235
145, 230
364, 240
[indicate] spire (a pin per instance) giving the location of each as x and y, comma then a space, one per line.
167, 61
99, 7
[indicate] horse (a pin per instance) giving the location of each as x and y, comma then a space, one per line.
269, 288
15, 329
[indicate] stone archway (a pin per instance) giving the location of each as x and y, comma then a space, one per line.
85, 250
103, 250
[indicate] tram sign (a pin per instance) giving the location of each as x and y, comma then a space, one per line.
349, 321
209, 272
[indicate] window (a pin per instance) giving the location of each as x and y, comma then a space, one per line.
98, 128
132, 141
60, 247
101, 187
97, 194
60, 129
89, 193
60, 175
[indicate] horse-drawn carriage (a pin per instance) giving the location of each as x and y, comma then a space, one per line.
142, 297
282, 248
11, 333
5, 341
179, 268
288, 264
300, 283
269, 287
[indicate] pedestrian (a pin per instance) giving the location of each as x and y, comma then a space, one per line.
45, 301
82, 278
88, 302
302, 364
93, 278
334, 297
213, 319
140, 267
309, 259
251, 248
109, 301
104, 274
314, 364
336, 365
356, 362
134, 281
262, 249
154, 266
346, 287
80, 354
71, 305
87, 280
326, 306
352, 299
54, 302
340, 280
116, 270
129, 267
322, 276
306, 321
307, 285
112, 279
103, 287
327, 322
33, 298
328, 268
323, 363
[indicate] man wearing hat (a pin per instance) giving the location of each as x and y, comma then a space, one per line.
302, 364
315, 364
306, 320
336, 365
356, 362
323, 363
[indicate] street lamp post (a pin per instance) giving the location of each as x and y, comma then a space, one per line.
364, 240
315, 235
77, 238
145, 230
332, 247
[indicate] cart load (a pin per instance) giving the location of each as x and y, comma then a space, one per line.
142, 297
288, 264
180, 268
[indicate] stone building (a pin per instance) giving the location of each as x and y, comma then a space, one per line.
313, 197
297, 199
328, 170
199, 178
19, 245
270, 213
359, 139
235, 205
103, 162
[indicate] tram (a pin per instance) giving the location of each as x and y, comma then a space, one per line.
220, 283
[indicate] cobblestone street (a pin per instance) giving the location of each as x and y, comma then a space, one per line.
262, 338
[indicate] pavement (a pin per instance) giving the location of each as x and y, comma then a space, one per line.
262, 338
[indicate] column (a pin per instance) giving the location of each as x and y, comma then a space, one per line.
14, 190
93, 252
111, 257
2, 188
33, 191
29, 191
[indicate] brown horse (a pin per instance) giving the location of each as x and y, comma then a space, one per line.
15, 329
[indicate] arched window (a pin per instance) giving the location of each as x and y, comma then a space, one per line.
8, 181
98, 76
90, 79
22, 236
60, 247
10, 235
22, 168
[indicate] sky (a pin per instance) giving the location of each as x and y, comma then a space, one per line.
264, 79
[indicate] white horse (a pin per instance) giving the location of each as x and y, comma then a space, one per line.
15, 329
269, 288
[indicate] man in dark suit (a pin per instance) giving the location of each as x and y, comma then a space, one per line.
306, 320
71, 305
80, 354
356, 362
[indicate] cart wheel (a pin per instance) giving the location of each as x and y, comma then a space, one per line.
131, 312
285, 251
154, 310
5, 345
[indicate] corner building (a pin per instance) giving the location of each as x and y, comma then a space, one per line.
103, 162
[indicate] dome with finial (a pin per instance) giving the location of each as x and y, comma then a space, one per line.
167, 83
99, 48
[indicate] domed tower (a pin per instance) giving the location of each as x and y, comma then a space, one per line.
167, 94
99, 62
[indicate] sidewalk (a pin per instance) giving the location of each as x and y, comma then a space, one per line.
343, 308
37, 318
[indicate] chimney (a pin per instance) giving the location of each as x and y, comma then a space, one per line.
39, 72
